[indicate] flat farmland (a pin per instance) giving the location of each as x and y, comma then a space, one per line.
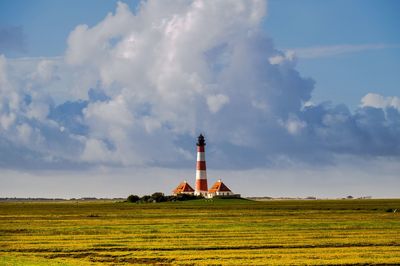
201, 232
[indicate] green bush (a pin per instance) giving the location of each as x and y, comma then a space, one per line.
160, 197
183, 197
133, 198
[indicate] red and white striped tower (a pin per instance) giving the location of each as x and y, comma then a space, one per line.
201, 173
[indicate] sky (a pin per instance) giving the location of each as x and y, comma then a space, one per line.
106, 98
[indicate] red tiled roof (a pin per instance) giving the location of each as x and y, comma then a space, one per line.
220, 187
183, 187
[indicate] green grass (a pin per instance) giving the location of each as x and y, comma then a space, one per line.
201, 232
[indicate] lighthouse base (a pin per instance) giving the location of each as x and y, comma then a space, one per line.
201, 193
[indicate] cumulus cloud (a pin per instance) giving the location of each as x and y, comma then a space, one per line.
379, 101
136, 89
294, 125
288, 56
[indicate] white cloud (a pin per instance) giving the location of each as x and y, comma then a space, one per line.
151, 124
113, 113
216, 102
45, 70
294, 125
6, 120
87, 44
96, 151
38, 110
171, 70
379, 101
9, 97
24, 133
288, 56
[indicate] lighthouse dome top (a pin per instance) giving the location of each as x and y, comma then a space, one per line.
201, 141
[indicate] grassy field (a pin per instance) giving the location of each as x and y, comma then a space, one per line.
219, 232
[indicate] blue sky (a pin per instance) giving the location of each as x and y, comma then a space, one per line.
346, 77
279, 88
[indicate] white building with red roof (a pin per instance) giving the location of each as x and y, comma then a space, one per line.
219, 189
183, 188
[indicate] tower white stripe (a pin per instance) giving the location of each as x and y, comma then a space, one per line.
201, 174
201, 156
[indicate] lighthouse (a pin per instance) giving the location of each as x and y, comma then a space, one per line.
201, 173
219, 189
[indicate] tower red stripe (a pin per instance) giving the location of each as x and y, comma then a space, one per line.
200, 148
201, 185
201, 165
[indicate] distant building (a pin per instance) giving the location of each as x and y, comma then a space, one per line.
183, 188
219, 189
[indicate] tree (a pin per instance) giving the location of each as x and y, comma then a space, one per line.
133, 198
158, 197
145, 198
